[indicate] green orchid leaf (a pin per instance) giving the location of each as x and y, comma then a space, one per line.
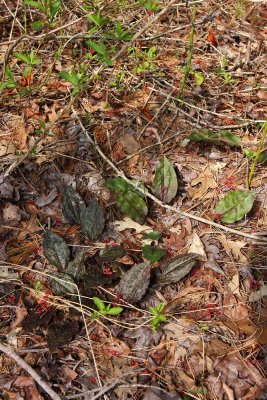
165, 184
56, 250
235, 205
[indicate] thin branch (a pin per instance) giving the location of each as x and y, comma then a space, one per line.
12, 354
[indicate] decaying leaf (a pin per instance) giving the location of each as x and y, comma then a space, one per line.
177, 268
62, 284
235, 205
92, 220
76, 267
135, 282
56, 250
129, 200
165, 183
72, 205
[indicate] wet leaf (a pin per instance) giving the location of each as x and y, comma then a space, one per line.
76, 267
93, 220
177, 268
135, 282
129, 200
153, 254
165, 184
72, 205
112, 253
56, 250
235, 205
61, 284
220, 138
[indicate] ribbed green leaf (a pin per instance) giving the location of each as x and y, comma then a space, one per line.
235, 205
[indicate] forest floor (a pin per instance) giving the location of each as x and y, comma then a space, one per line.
133, 200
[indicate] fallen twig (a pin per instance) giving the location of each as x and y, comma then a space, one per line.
12, 354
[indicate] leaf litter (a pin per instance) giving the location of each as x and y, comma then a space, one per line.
72, 231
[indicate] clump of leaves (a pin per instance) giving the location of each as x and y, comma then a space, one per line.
159, 316
220, 138
235, 205
47, 7
165, 183
129, 200
105, 309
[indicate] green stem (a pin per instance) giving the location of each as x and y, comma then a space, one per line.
253, 166
190, 54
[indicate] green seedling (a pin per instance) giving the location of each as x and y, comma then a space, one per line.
118, 82
98, 22
28, 58
77, 78
119, 34
10, 82
223, 73
103, 54
104, 309
148, 57
47, 7
158, 316
150, 5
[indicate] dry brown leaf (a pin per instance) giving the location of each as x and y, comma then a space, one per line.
234, 247
234, 310
18, 132
234, 284
11, 212
28, 385
130, 144
205, 182
197, 247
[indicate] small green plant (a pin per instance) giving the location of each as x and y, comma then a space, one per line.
103, 54
98, 22
119, 34
28, 58
77, 78
158, 316
10, 82
104, 309
148, 59
223, 73
118, 81
47, 7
